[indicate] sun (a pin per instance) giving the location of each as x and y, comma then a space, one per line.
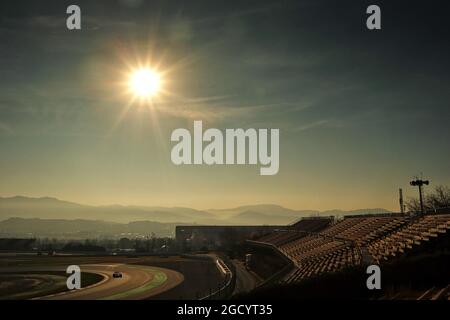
145, 83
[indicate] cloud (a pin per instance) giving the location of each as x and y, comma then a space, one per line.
311, 125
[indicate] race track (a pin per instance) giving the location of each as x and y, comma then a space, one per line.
137, 282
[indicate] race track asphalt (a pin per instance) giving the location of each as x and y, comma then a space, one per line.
137, 282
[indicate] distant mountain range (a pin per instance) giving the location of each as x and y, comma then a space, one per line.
53, 213
52, 208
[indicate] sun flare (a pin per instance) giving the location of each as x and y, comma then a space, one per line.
145, 83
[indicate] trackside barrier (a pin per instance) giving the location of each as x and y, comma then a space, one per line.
225, 288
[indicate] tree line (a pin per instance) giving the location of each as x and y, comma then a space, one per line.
437, 199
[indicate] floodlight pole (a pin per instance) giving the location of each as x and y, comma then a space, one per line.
402, 206
421, 198
419, 183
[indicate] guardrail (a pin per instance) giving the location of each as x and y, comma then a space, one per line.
224, 289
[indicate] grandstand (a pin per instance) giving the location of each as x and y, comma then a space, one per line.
409, 237
295, 231
320, 246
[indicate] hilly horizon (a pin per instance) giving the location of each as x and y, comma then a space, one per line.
53, 208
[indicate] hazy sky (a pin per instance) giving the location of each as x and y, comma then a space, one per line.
359, 112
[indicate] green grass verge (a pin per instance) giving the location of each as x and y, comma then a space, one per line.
159, 278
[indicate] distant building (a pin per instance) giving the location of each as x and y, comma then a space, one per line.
217, 237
